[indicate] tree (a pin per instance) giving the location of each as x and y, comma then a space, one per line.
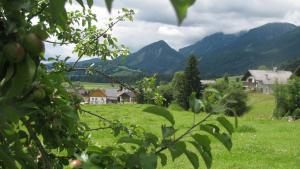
166, 90
287, 99
40, 124
192, 81
178, 83
236, 97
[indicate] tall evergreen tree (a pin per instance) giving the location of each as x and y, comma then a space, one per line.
192, 77
192, 81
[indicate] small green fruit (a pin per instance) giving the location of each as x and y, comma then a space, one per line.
14, 52
33, 44
39, 94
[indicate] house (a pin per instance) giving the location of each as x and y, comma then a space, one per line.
97, 96
119, 96
127, 96
264, 80
208, 82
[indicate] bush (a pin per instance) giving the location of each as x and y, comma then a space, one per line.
166, 91
236, 97
287, 99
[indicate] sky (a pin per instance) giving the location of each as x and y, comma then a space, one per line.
156, 20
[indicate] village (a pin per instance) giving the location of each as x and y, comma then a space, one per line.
262, 81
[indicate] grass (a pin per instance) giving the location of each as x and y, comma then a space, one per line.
89, 85
260, 142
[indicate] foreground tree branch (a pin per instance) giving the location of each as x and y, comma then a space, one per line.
184, 134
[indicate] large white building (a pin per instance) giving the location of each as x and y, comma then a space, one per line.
264, 80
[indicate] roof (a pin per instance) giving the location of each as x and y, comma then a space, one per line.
206, 82
117, 93
112, 92
97, 93
269, 76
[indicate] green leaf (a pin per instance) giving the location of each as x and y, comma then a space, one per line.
93, 149
193, 158
167, 131
226, 124
58, 12
81, 3
206, 155
160, 111
108, 4
181, 7
25, 72
177, 149
163, 159
215, 131
6, 160
151, 138
148, 161
90, 3
202, 140
202, 144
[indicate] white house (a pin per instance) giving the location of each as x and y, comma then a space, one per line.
97, 96
264, 80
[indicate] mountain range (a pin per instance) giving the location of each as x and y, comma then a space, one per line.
271, 45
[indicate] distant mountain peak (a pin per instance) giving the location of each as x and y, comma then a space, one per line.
160, 43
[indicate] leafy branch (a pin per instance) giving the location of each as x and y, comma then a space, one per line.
184, 134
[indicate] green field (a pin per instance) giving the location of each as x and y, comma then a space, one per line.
260, 142
89, 85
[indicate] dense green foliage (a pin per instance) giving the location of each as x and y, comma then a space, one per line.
288, 99
167, 91
236, 97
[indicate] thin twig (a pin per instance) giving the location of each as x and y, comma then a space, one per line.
96, 115
99, 128
184, 134
105, 120
54, 42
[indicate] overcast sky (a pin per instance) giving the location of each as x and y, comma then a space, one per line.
156, 20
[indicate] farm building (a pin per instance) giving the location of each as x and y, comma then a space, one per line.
264, 80
97, 96
104, 96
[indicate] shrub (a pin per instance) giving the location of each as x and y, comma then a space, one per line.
287, 99
166, 91
236, 97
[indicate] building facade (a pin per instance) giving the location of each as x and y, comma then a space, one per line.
264, 80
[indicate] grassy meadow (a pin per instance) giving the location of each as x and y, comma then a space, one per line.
260, 142
90, 85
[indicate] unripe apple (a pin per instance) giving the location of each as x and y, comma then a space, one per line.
39, 94
33, 44
14, 52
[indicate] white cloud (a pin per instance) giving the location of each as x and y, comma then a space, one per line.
156, 20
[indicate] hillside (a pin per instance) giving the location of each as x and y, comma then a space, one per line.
272, 45
157, 57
